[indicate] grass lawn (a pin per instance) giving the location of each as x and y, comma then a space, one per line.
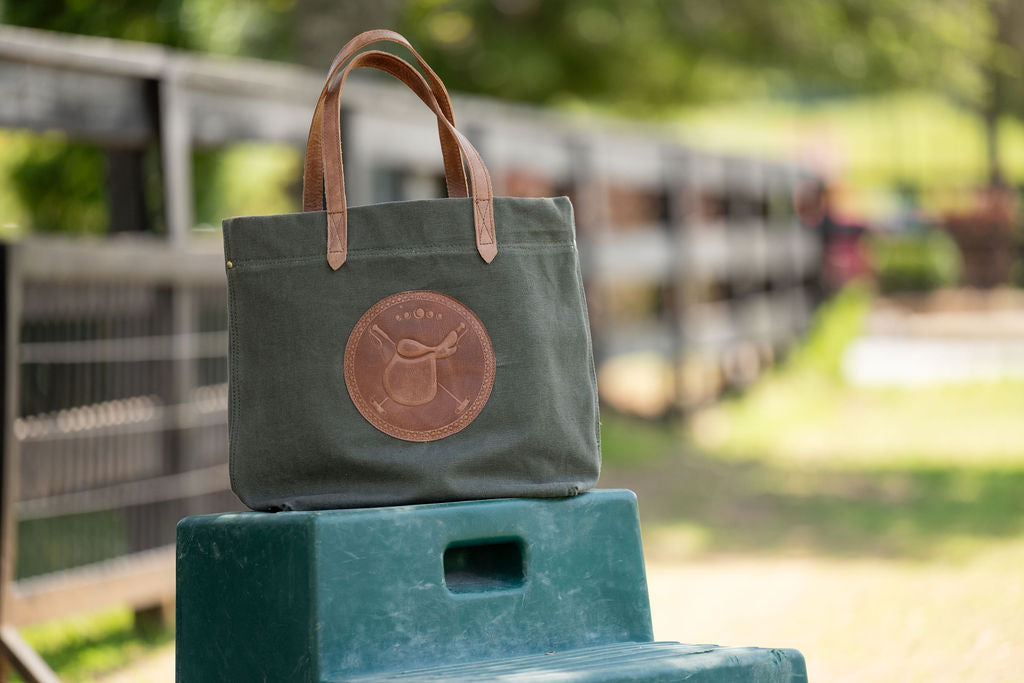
881, 532
92, 646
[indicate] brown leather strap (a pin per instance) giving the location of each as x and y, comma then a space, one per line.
312, 175
334, 175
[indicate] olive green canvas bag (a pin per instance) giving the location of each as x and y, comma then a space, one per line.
407, 352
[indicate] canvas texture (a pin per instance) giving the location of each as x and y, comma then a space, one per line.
297, 439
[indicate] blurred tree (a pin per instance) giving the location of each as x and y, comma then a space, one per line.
640, 57
260, 28
152, 21
1002, 65
57, 182
647, 56
662, 52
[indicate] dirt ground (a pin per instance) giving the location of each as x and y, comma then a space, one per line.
155, 668
853, 621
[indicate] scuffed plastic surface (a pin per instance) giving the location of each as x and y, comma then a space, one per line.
535, 589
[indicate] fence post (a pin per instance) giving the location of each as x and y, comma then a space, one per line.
8, 458
176, 156
676, 179
591, 216
13, 650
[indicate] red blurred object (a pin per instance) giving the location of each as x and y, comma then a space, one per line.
845, 256
987, 235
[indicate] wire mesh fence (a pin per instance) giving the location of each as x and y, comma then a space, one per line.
120, 417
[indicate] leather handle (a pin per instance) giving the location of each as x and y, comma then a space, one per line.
312, 174
334, 175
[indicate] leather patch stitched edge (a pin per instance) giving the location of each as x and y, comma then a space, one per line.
419, 365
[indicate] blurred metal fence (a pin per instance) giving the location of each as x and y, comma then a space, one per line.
115, 424
114, 420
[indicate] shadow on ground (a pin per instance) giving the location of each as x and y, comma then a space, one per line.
751, 506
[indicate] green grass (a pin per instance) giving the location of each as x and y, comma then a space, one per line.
804, 464
628, 441
697, 504
84, 647
804, 415
880, 532
801, 421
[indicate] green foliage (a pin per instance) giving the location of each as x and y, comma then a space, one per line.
83, 647
239, 27
837, 323
653, 53
151, 21
915, 262
648, 57
59, 184
641, 57
245, 180
14, 217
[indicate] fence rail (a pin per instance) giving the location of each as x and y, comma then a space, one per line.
116, 370
114, 420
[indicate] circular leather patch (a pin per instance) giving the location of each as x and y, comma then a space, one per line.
419, 365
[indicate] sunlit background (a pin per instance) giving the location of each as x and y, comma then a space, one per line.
800, 223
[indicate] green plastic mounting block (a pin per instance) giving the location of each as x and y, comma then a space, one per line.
510, 589
307, 596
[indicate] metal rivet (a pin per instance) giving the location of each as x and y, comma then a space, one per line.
230, 265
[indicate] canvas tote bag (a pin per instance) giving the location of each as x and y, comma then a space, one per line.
407, 352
